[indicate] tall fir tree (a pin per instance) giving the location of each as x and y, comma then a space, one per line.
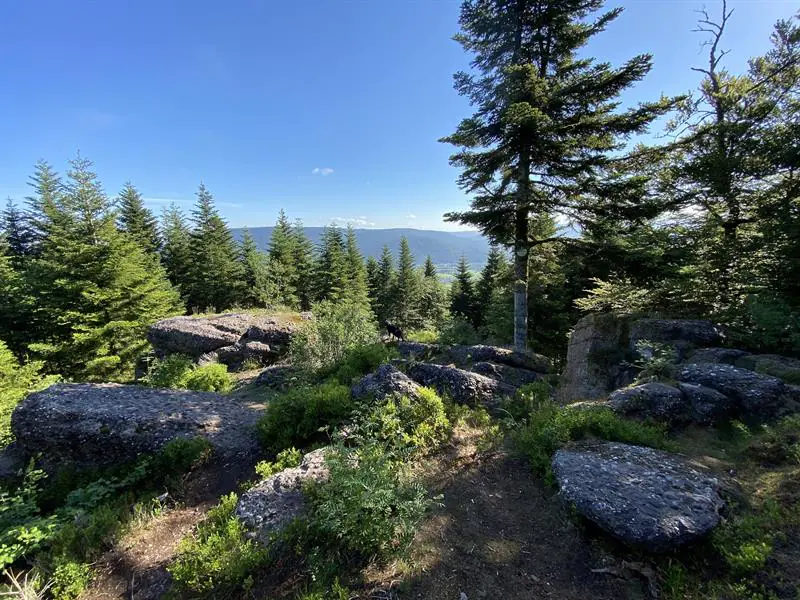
405, 291
358, 287
331, 271
137, 220
546, 124
18, 235
430, 268
282, 255
372, 268
42, 204
462, 293
260, 287
494, 270
304, 265
175, 251
384, 286
433, 302
215, 273
15, 302
96, 290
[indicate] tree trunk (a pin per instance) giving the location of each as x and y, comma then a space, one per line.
521, 280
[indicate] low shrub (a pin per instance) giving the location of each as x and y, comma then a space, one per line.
550, 427
179, 372
210, 378
423, 336
780, 443
291, 457
70, 578
219, 558
527, 399
302, 415
360, 361
656, 361
459, 330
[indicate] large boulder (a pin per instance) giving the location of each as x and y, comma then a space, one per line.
707, 406
268, 507
644, 497
753, 395
603, 348
96, 425
462, 386
278, 377
727, 356
417, 350
510, 375
785, 368
386, 381
481, 353
657, 401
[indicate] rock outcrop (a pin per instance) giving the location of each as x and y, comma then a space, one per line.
462, 386
784, 368
96, 425
386, 381
644, 497
268, 507
417, 350
727, 356
229, 338
464, 355
706, 406
509, 375
650, 400
603, 347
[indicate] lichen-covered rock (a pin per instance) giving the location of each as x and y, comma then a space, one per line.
651, 400
268, 507
417, 350
753, 395
462, 386
386, 381
707, 406
510, 375
682, 334
644, 497
727, 356
784, 368
481, 353
108, 424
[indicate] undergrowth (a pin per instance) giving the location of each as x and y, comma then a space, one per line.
179, 372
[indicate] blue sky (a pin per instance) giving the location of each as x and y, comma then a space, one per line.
328, 108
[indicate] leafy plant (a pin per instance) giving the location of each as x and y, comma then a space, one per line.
179, 372
527, 399
459, 330
656, 361
359, 361
70, 578
291, 457
210, 378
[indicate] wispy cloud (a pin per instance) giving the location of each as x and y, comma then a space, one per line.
411, 216
355, 221
324, 171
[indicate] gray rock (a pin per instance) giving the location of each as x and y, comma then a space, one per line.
644, 497
681, 334
386, 381
108, 424
727, 356
480, 353
277, 377
785, 368
462, 386
417, 350
707, 406
506, 374
267, 508
753, 395
651, 400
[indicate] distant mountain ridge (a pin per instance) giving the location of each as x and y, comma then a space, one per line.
444, 247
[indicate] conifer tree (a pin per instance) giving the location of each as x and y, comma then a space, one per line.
546, 123
332, 271
15, 302
462, 293
372, 282
260, 288
433, 301
215, 273
430, 268
495, 268
358, 291
175, 251
282, 255
96, 290
304, 265
405, 292
18, 235
136, 220
384, 286
47, 191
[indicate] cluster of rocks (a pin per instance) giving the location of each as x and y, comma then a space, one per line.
230, 339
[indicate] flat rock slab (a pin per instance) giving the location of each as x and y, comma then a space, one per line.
386, 381
510, 375
651, 400
727, 356
644, 497
503, 356
108, 424
462, 386
268, 507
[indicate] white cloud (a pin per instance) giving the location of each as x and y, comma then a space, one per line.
355, 221
411, 216
324, 171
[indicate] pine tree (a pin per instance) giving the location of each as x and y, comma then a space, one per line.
304, 265
433, 302
358, 290
175, 251
18, 235
282, 255
42, 204
430, 268
384, 286
96, 290
215, 273
260, 287
495, 268
372, 282
405, 292
331, 272
15, 302
546, 123
136, 220
462, 293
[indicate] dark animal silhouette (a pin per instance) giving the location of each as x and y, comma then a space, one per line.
394, 330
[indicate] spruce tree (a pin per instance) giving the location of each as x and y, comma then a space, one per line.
372, 282
462, 293
546, 124
358, 290
384, 286
304, 265
430, 268
405, 292
215, 273
282, 255
260, 287
18, 235
47, 192
15, 302
175, 251
96, 290
136, 220
433, 301
495, 268
332, 269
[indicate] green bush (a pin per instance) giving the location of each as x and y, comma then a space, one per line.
769, 325
180, 373
550, 427
656, 361
336, 329
368, 509
780, 443
70, 578
297, 417
527, 399
219, 558
335, 592
423, 336
459, 331
357, 362
291, 457
403, 423
746, 541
